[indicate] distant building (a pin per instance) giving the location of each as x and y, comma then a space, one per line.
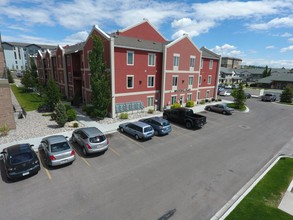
17, 54
231, 62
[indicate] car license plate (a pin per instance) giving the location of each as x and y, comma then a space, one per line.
63, 161
26, 173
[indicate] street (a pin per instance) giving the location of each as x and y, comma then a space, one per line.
188, 174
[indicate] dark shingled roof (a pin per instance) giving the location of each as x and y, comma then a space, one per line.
278, 78
74, 48
209, 54
19, 44
134, 43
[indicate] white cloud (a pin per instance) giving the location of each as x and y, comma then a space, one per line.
76, 38
270, 47
290, 39
286, 49
270, 63
226, 50
286, 34
274, 23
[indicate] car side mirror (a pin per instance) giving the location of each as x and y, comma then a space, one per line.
31, 145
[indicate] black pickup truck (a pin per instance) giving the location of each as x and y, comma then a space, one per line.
185, 116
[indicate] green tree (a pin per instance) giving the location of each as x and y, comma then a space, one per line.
9, 76
239, 97
100, 80
266, 72
28, 80
287, 95
52, 94
33, 69
60, 114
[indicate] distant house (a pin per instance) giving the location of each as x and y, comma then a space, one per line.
276, 81
229, 76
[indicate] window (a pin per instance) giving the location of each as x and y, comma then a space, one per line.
211, 64
192, 61
15, 57
130, 57
150, 101
151, 81
173, 99
201, 63
130, 83
176, 61
68, 60
190, 80
152, 59
198, 95
189, 97
199, 82
209, 79
174, 80
207, 93
59, 61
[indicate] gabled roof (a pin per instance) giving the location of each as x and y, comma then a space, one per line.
134, 43
209, 54
19, 44
74, 48
139, 31
171, 43
278, 78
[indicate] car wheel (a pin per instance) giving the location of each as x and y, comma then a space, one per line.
122, 130
165, 116
224, 113
188, 124
84, 151
73, 139
136, 137
156, 133
209, 109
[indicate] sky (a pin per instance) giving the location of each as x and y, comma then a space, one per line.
258, 32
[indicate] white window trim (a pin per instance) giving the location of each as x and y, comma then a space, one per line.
189, 94
176, 55
174, 87
211, 66
128, 64
191, 68
172, 98
190, 85
198, 95
201, 63
199, 80
208, 92
209, 79
127, 76
154, 59
148, 81
148, 101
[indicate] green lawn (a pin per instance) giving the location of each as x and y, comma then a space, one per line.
28, 100
233, 105
262, 202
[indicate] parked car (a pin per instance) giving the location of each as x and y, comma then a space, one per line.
269, 97
57, 150
19, 74
91, 140
185, 116
235, 86
247, 95
161, 126
220, 89
138, 129
20, 160
224, 93
228, 87
220, 108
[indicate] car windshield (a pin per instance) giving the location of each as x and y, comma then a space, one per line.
146, 129
59, 147
20, 158
97, 139
166, 123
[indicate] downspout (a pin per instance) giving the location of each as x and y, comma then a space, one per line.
217, 80
163, 78
112, 60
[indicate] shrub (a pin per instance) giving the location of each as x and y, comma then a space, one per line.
190, 104
67, 107
75, 125
88, 110
123, 115
83, 108
213, 99
47, 114
4, 129
175, 105
207, 100
61, 116
202, 102
71, 115
219, 100
9, 76
287, 95
151, 111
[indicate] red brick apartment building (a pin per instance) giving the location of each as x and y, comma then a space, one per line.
147, 71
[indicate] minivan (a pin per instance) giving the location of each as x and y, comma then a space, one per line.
138, 129
161, 126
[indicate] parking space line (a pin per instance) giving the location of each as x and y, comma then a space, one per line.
114, 151
84, 160
48, 173
138, 144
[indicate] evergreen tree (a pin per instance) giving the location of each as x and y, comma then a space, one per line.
60, 114
239, 97
28, 80
100, 80
266, 72
53, 95
33, 69
287, 95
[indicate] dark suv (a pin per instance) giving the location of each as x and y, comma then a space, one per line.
269, 97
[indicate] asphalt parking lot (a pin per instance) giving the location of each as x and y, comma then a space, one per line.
188, 173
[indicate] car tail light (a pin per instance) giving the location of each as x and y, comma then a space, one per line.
72, 153
88, 146
52, 157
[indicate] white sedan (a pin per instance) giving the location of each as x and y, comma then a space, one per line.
224, 93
